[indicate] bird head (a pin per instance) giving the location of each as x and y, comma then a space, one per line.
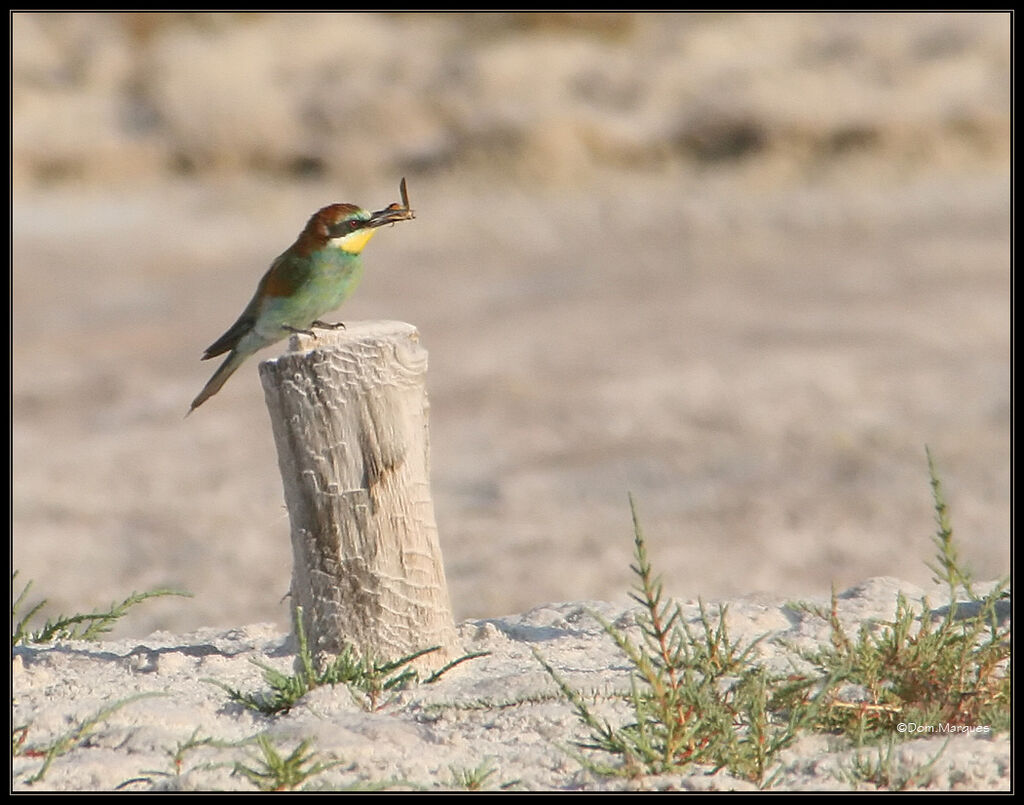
349, 228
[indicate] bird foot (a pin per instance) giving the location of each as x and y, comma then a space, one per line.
311, 332
298, 330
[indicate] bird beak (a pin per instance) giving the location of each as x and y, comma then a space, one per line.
390, 215
393, 212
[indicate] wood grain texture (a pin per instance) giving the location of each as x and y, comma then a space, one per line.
349, 414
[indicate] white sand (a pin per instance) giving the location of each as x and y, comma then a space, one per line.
501, 710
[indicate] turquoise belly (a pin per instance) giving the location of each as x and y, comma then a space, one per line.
331, 283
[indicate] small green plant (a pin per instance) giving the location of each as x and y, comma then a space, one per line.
275, 771
951, 672
885, 772
370, 681
472, 779
19, 734
183, 748
74, 737
696, 697
72, 627
947, 567
434, 710
177, 756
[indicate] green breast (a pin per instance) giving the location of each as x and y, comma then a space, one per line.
332, 278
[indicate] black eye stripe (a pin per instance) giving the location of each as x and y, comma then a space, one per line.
346, 227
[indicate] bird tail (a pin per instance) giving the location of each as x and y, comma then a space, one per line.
224, 371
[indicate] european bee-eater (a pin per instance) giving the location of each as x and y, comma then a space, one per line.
313, 277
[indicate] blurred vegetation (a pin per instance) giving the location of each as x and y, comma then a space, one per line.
534, 96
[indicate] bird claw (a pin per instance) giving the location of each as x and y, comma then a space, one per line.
326, 325
298, 330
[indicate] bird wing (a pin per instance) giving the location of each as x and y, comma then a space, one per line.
233, 335
283, 277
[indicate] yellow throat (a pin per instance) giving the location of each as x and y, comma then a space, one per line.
354, 242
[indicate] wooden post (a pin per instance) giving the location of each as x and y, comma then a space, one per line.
349, 413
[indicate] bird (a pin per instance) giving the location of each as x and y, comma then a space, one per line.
309, 279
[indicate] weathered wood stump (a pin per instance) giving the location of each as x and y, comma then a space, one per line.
349, 414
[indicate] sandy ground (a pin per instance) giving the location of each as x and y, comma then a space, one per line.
499, 713
744, 267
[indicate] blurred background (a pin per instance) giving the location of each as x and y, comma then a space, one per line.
744, 266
